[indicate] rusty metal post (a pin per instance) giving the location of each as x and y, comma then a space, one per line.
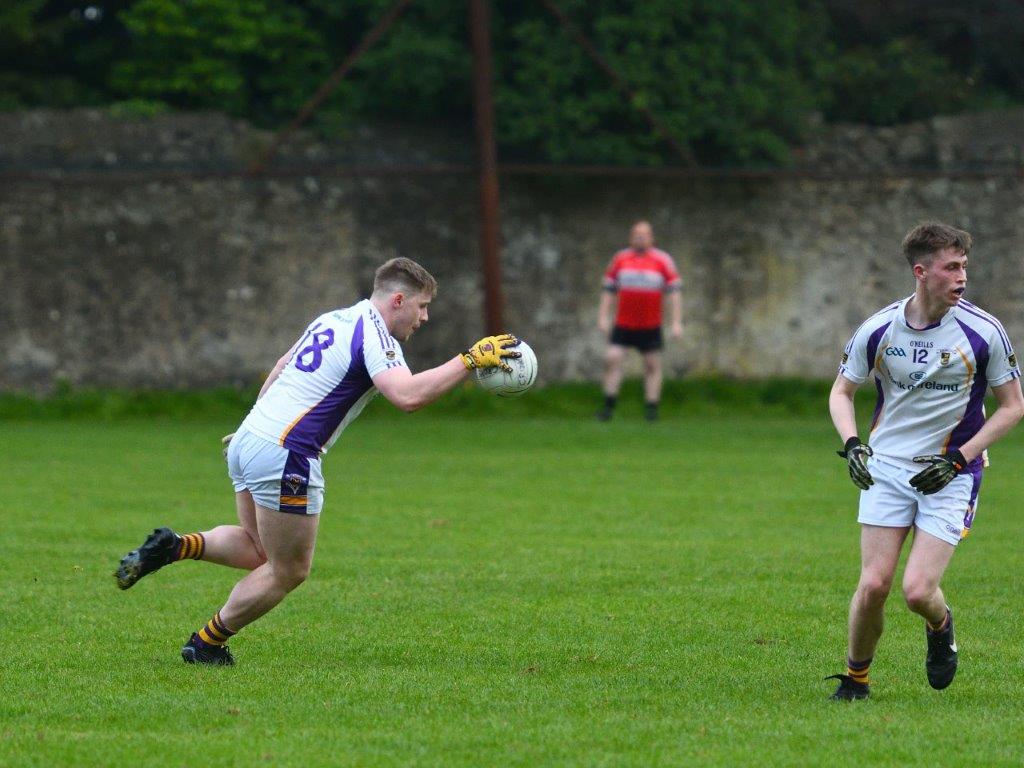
483, 104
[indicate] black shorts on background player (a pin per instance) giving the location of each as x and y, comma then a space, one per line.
641, 339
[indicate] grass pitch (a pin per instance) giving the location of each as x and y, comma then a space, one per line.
536, 590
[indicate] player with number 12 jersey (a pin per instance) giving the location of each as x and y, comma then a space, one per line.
931, 382
934, 356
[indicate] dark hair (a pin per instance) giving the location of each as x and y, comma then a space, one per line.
405, 275
928, 238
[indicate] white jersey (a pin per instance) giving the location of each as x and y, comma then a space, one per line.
931, 382
327, 382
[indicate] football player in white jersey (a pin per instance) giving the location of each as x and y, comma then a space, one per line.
316, 389
934, 356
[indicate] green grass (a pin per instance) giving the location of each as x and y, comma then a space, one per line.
536, 590
682, 397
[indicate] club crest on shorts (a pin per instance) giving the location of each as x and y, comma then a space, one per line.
944, 356
389, 354
295, 482
1012, 360
846, 358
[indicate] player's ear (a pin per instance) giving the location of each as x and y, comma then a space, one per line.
397, 299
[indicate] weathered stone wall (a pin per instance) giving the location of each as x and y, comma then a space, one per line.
168, 281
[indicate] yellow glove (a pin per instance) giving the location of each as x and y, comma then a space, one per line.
490, 352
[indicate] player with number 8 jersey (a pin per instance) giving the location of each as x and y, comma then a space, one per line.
328, 380
317, 388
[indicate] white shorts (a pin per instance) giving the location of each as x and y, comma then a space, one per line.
276, 477
892, 502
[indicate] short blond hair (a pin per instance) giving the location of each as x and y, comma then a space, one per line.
403, 275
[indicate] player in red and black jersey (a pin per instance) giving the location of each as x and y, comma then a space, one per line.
639, 275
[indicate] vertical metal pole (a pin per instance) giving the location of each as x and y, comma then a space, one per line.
483, 103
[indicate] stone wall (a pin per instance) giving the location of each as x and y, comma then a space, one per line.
170, 281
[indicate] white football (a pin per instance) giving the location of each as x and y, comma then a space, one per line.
505, 384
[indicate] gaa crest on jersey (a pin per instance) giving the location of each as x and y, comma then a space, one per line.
944, 356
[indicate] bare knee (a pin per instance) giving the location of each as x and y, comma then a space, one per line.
289, 574
873, 589
918, 593
614, 356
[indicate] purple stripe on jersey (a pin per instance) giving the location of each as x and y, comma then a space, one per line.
873, 341
971, 309
974, 309
380, 336
981, 351
317, 425
386, 340
881, 312
974, 416
879, 402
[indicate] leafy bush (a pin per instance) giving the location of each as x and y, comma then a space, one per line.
732, 80
901, 82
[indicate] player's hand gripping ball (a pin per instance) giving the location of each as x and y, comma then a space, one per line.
521, 373
491, 352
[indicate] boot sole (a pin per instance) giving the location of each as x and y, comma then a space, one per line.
129, 571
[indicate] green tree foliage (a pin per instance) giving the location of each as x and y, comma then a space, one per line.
733, 80
263, 59
911, 59
250, 59
57, 52
898, 82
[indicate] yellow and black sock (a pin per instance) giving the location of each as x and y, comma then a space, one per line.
215, 633
191, 547
858, 670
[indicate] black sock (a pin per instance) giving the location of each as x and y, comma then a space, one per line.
651, 409
610, 401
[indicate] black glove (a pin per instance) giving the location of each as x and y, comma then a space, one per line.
856, 454
942, 469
